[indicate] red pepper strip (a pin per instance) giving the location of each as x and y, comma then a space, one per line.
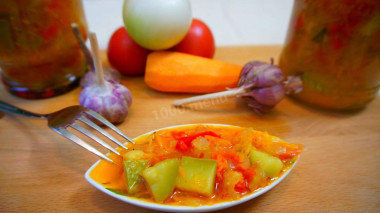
184, 143
288, 151
241, 186
181, 146
178, 135
289, 154
248, 173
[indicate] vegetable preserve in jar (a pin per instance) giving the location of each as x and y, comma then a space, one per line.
334, 46
39, 54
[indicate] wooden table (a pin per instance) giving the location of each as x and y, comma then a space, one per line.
339, 171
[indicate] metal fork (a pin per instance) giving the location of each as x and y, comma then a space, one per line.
68, 117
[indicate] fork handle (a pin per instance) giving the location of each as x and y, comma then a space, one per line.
8, 108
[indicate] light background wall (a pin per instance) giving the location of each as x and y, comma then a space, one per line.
233, 22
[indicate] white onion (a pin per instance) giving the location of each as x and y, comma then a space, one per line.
157, 24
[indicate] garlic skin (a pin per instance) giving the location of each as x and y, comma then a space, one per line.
106, 97
260, 74
111, 100
293, 85
90, 77
268, 96
263, 84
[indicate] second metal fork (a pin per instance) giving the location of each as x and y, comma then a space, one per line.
68, 117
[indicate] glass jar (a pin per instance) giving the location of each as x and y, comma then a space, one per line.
334, 46
39, 54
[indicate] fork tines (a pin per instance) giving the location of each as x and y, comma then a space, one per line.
83, 118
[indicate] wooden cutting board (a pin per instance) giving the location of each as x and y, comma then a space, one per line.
41, 171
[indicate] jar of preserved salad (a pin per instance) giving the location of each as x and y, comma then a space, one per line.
39, 54
334, 46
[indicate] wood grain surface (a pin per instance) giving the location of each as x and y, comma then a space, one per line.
339, 171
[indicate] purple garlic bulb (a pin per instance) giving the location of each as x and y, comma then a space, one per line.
90, 77
260, 74
106, 97
267, 95
264, 86
111, 100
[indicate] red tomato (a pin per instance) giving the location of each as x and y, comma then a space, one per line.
198, 41
126, 55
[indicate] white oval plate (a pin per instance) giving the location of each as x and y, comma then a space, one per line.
172, 208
